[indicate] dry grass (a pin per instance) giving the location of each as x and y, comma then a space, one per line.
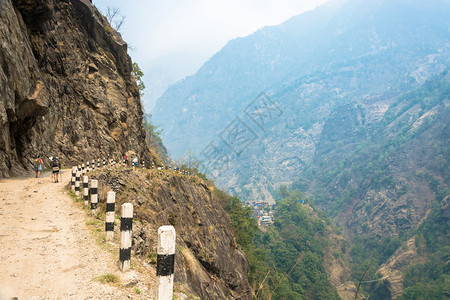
109, 278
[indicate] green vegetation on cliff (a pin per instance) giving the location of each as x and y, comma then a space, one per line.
286, 261
153, 138
431, 279
381, 186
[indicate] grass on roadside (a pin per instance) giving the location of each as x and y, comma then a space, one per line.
109, 278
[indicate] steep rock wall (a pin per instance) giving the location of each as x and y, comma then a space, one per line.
208, 260
67, 87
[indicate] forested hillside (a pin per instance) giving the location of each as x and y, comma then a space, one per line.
385, 184
300, 257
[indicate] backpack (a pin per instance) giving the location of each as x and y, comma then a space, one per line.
55, 163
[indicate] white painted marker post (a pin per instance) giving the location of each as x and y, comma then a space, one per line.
98, 163
83, 171
72, 182
86, 190
93, 165
109, 220
104, 162
77, 183
165, 262
94, 195
87, 167
126, 222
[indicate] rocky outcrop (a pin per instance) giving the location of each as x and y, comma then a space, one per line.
208, 260
392, 271
445, 209
348, 291
66, 84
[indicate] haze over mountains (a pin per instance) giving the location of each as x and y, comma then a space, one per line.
359, 52
166, 70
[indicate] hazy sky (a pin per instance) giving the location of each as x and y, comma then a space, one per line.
155, 28
171, 39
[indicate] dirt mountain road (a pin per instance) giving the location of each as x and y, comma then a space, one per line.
46, 249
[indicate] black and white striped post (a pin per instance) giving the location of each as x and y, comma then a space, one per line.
93, 165
109, 219
77, 183
104, 162
165, 262
72, 182
111, 163
94, 195
86, 190
126, 221
98, 163
87, 167
83, 171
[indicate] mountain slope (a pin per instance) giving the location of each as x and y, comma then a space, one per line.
368, 52
386, 176
379, 43
385, 184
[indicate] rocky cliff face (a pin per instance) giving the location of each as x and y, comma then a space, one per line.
208, 261
392, 271
383, 179
66, 83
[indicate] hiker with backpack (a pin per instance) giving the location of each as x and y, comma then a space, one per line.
38, 163
56, 168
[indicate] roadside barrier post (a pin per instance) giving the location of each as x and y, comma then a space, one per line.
72, 182
126, 222
77, 183
94, 195
104, 162
83, 171
86, 190
109, 219
165, 262
93, 165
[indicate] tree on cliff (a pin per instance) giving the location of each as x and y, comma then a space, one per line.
114, 17
138, 74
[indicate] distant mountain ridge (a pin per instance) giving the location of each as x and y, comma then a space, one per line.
366, 52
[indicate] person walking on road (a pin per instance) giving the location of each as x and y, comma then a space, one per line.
38, 163
56, 168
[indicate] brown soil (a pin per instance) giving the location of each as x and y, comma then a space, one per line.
48, 251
